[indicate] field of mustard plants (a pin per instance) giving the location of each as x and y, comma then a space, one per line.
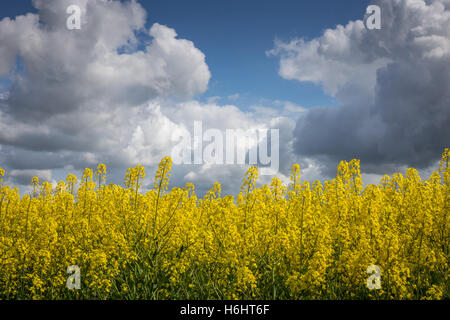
302, 241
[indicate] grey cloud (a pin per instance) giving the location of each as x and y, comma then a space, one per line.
23, 177
393, 86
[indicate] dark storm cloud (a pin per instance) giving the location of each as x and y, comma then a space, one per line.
393, 86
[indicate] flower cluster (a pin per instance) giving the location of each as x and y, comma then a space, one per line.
301, 241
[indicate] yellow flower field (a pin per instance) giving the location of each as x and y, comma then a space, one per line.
302, 241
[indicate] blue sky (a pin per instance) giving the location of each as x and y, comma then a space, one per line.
235, 35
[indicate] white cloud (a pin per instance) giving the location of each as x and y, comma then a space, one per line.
79, 97
336, 61
264, 110
234, 97
65, 70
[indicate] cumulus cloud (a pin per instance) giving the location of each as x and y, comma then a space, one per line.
229, 117
77, 97
64, 70
392, 85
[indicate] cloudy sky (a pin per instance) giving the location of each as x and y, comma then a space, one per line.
136, 72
